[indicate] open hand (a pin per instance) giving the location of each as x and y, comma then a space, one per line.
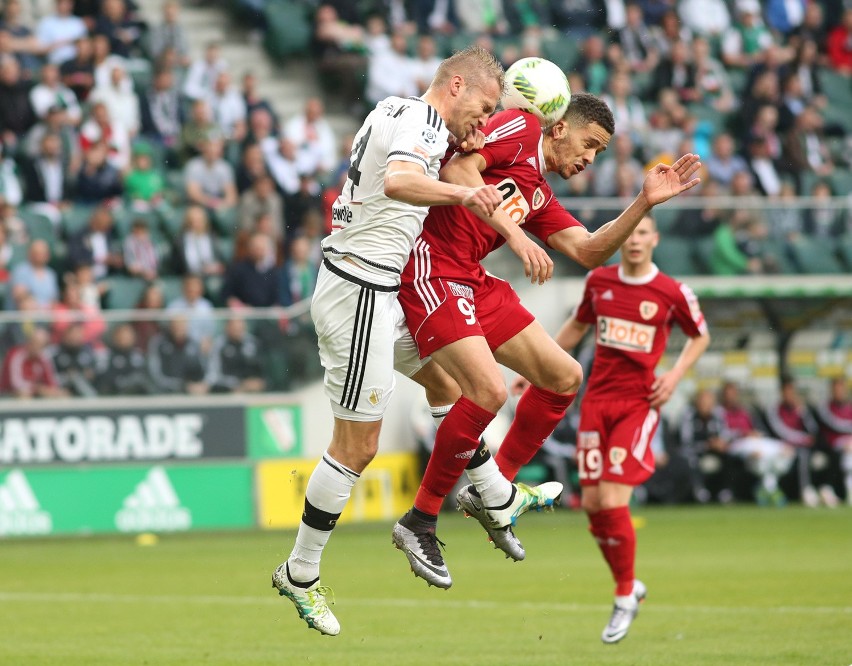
664, 182
538, 266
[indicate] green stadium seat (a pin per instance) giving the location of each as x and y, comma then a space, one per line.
665, 216
75, 219
225, 246
703, 251
288, 29
124, 292
172, 287
837, 87
777, 251
564, 52
844, 247
841, 182
39, 226
674, 256
815, 255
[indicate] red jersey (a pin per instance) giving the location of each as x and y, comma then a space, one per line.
633, 318
22, 371
515, 165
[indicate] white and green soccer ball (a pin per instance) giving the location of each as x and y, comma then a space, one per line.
537, 86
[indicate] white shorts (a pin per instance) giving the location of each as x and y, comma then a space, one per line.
362, 339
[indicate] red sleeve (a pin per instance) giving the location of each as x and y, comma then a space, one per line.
507, 136
687, 311
551, 218
585, 311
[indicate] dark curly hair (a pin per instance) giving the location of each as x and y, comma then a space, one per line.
586, 108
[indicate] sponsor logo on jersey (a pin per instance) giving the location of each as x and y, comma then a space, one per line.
153, 505
617, 455
538, 199
647, 309
589, 439
625, 335
607, 295
20, 512
429, 135
514, 204
461, 290
341, 215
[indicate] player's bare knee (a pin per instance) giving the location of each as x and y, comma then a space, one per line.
564, 377
590, 503
491, 397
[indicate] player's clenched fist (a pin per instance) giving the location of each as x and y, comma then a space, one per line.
482, 200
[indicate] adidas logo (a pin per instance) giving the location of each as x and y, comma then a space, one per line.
532, 161
607, 295
153, 505
20, 512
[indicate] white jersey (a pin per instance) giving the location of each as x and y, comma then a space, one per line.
375, 232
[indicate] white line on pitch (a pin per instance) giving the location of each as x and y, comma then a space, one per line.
96, 597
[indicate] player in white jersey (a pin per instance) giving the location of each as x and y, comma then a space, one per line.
393, 178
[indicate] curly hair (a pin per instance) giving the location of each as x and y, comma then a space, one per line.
586, 108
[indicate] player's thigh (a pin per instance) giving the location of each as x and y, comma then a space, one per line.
469, 361
628, 458
355, 331
533, 354
441, 389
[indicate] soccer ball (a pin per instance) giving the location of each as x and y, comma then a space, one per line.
538, 86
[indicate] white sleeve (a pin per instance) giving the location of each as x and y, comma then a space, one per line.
420, 138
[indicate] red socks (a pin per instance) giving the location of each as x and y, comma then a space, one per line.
613, 530
455, 442
537, 415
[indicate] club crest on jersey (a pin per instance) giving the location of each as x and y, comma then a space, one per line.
617, 455
538, 199
375, 396
429, 135
647, 309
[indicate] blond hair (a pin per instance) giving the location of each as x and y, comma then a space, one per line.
474, 63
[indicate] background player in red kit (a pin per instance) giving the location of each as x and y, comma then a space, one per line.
465, 319
633, 307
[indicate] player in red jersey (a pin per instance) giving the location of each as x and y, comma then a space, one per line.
633, 307
465, 319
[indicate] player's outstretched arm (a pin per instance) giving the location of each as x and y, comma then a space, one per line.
466, 170
665, 384
661, 184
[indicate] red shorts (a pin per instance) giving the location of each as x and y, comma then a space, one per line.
439, 311
614, 441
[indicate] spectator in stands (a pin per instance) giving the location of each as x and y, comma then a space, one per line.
823, 221
668, 30
197, 311
840, 45
311, 132
104, 61
69, 138
804, 148
723, 162
46, 178
391, 72
101, 127
806, 66
593, 64
58, 32
744, 44
791, 420
677, 72
197, 129
425, 64
251, 168
236, 362
580, 18
704, 444
701, 222
434, 17
116, 23
711, 80
813, 28
253, 100
196, 245
145, 329
210, 182
72, 310
144, 185
707, 18
835, 420
74, 361
52, 93
11, 192
262, 200
121, 101
98, 181
140, 254
253, 282
78, 73
161, 113
479, 17
228, 108
337, 48
16, 111
36, 276
665, 127
27, 369
738, 245
299, 272
201, 76
764, 456
97, 245
169, 34
762, 164
626, 108
23, 41
784, 16
125, 370
175, 361
604, 184
285, 170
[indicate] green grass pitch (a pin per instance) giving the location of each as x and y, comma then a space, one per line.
733, 585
